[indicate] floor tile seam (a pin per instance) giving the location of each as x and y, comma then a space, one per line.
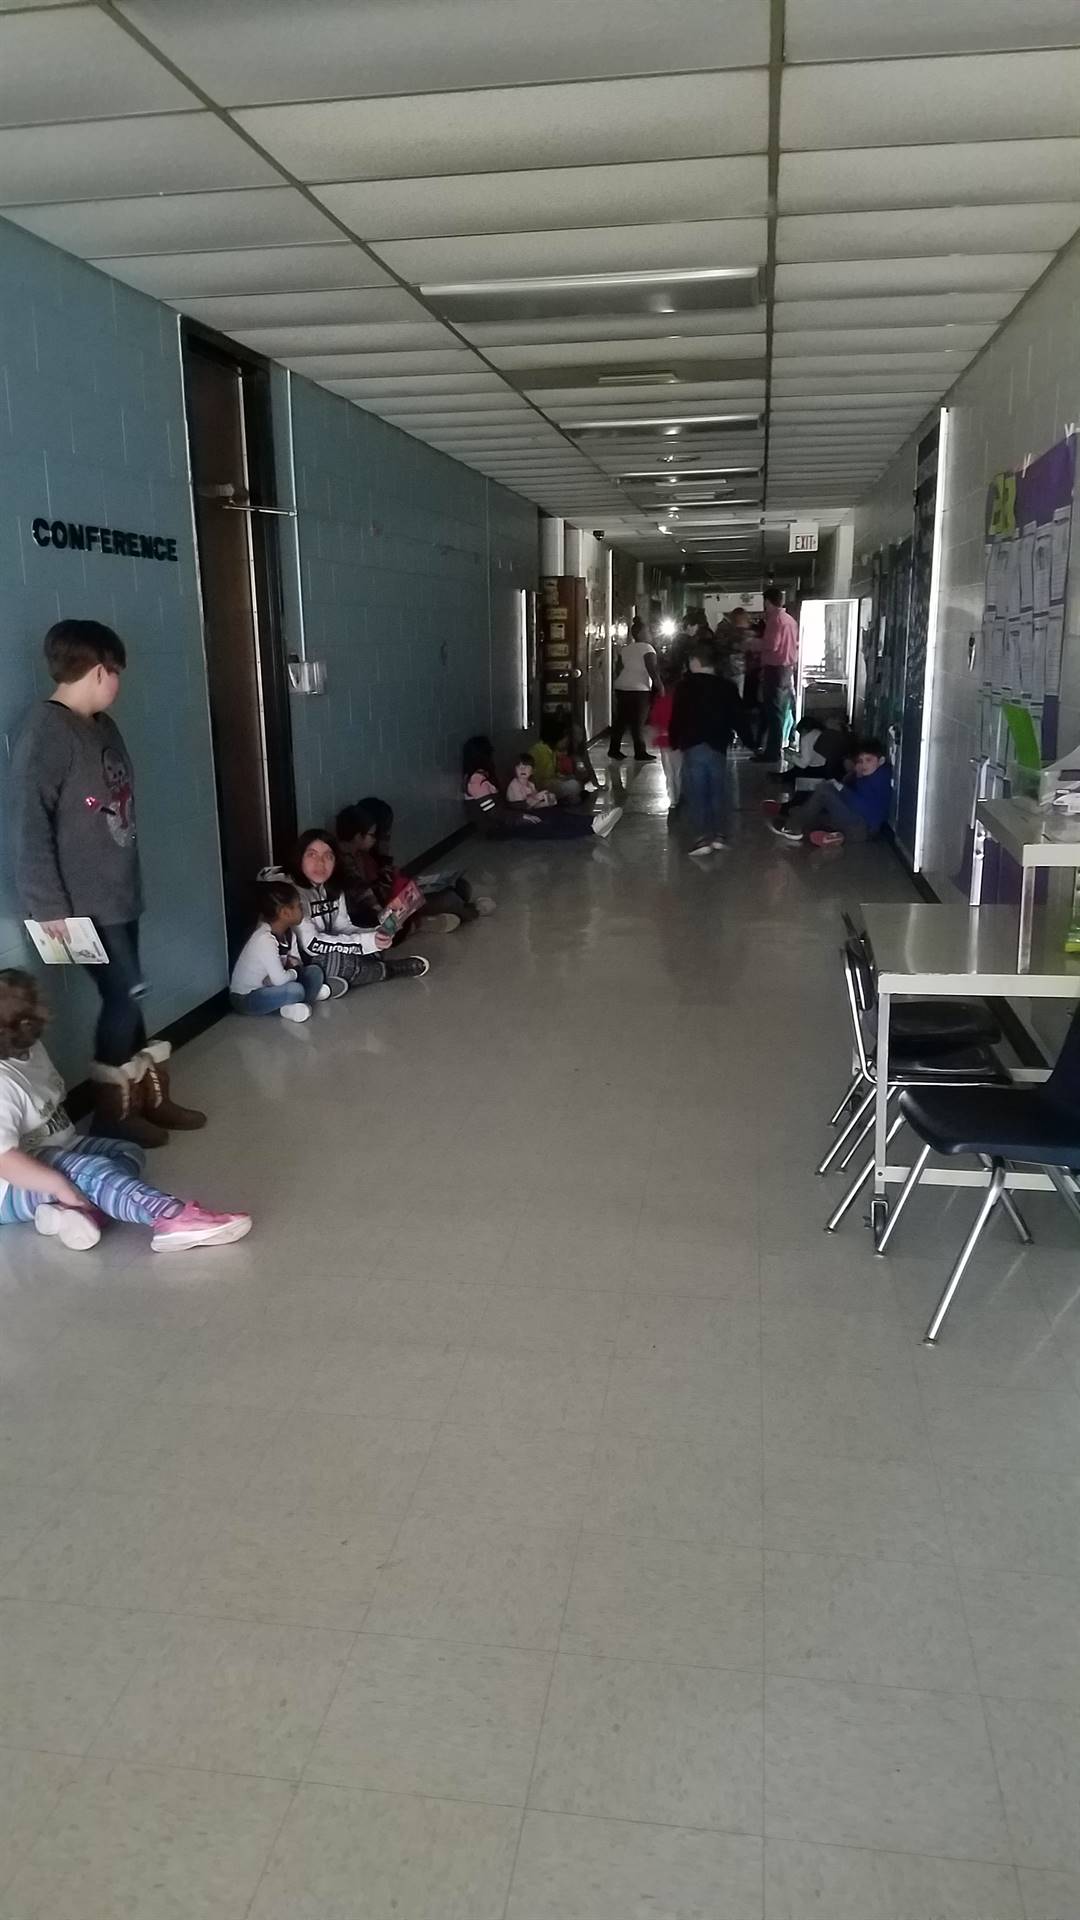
271, 1849
936, 1471
653, 1820
308, 1779
908, 1853
542, 1721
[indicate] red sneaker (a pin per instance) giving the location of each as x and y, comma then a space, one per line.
770, 806
196, 1226
822, 839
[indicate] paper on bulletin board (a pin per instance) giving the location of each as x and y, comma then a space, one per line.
1042, 561
1038, 674
1059, 532
1055, 634
1010, 678
1026, 564
1025, 641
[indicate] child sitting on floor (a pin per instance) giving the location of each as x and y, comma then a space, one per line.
855, 810
555, 768
500, 819
270, 975
326, 934
61, 1182
523, 790
448, 894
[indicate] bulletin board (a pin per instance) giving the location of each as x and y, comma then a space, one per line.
1028, 526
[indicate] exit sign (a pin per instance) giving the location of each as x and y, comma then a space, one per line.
803, 536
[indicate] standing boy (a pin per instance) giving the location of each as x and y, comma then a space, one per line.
706, 716
779, 652
76, 855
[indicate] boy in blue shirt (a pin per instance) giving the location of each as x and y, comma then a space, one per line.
856, 810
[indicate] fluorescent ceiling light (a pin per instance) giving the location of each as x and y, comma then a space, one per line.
586, 282
671, 423
676, 479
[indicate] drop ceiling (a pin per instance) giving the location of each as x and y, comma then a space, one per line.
741, 245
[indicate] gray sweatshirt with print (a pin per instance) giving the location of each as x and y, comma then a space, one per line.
74, 814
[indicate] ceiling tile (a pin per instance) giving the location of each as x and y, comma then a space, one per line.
78, 65
188, 222
329, 48
340, 366
948, 273
908, 102
991, 172
894, 311
523, 202
454, 408
932, 230
171, 276
165, 153
639, 353
851, 30
426, 390
365, 338
583, 328
585, 124
840, 340
372, 312
700, 243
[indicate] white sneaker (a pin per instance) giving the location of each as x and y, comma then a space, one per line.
324, 992
71, 1225
699, 852
605, 823
300, 1013
721, 846
484, 904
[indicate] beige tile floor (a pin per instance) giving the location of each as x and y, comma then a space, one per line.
537, 1518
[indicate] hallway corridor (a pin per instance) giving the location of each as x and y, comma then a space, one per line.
538, 1518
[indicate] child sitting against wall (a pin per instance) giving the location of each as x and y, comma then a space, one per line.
326, 934
555, 769
855, 810
270, 975
500, 818
61, 1182
448, 894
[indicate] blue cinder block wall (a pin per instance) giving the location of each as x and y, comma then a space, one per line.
403, 572
411, 566
92, 430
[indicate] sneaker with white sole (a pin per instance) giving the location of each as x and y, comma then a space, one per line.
412, 966
295, 1011
74, 1227
324, 993
334, 989
605, 823
441, 922
699, 852
196, 1226
720, 846
484, 904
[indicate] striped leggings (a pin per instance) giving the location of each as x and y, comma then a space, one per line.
107, 1172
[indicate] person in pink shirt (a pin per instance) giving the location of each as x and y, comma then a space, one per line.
779, 652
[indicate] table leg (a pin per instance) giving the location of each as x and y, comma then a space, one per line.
879, 1210
1027, 910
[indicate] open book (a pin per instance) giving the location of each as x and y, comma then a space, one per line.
80, 946
407, 901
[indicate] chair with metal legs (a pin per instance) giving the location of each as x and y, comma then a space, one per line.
1003, 1127
911, 1062
918, 1029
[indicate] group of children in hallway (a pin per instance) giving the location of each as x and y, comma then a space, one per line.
330, 920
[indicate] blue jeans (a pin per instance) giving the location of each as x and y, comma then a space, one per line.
295, 993
705, 791
120, 1029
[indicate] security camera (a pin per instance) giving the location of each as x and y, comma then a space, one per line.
598, 533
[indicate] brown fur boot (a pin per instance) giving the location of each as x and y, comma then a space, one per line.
118, 1110
157, 1100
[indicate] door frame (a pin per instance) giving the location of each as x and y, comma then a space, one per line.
268, 597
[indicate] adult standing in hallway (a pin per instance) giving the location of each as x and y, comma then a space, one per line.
637, 679
779, 652
76, 855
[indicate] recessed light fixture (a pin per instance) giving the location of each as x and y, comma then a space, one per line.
668, 423
586, 282
648, 379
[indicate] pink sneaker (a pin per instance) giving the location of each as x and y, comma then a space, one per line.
822, 839
195, 1226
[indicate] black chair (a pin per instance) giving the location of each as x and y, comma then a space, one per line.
1001, 1126
964, 1066
923, 1045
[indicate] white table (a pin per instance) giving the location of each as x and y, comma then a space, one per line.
1022, 835
968, 952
